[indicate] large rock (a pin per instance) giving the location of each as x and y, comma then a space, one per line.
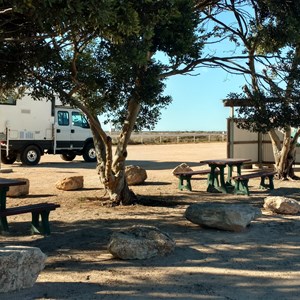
19, 267
70, 183
232, 217
140, 242
182, 168
135, 175
281, 205
18, 190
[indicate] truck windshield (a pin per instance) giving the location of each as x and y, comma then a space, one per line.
79, 120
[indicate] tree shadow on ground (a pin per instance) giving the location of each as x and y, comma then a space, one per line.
205, 262
146, 164
163, 201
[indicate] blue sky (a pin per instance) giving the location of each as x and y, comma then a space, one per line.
197, 101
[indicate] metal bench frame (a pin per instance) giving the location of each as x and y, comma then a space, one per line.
241, 181
36, 210
187, 176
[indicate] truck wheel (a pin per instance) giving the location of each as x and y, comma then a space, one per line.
8, 160
31, 156
89, 153
69, 156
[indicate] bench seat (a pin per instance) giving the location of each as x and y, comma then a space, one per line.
37, 210
187, 176
241, 181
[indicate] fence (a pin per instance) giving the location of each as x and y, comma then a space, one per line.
173, 137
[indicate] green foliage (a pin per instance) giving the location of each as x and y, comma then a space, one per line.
271, 94
280, 24
262, 113
103, 50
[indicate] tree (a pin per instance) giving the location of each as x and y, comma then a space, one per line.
266, 34
101, 56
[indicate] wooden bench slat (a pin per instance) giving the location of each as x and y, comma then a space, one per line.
37, 210
28, 208
254, 175
199, 172
4, 182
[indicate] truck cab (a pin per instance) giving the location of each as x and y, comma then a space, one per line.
30, 129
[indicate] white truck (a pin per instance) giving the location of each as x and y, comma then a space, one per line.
30, 128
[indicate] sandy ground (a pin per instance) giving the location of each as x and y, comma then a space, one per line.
261, 263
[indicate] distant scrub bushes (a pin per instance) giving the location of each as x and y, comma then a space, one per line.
173, 137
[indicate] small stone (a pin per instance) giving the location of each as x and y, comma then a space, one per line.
70, 183
182, 168
232, 217
281, 205
140, 242
18, 190
135, 175
20, 267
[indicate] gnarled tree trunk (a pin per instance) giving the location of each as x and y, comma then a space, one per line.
284, 153
111, 168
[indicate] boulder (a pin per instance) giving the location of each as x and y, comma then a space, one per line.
70, 183
282, 205
140, 242
18, 190
182, 168
20, 267
232, 217
135, 175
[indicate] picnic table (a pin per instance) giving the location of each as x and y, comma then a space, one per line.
225, 185
37, 210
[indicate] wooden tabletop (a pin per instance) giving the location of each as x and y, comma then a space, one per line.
4, 182
225, 161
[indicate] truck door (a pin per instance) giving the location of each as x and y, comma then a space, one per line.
80, 129
63, 129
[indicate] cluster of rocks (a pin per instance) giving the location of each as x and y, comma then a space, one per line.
236, 217
142, 242
20, 266
134, 175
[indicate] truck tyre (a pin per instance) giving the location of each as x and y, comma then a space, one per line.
89, 153
31, 155
69, 156
8, 160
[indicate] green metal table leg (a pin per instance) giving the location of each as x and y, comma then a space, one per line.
241, 187
223, 187
271, 182
263, 185
181, 185
44, 226
213, 185
229, 175
35, 223
3, 220
45, 222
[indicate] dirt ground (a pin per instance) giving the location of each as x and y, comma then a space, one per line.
262, 262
